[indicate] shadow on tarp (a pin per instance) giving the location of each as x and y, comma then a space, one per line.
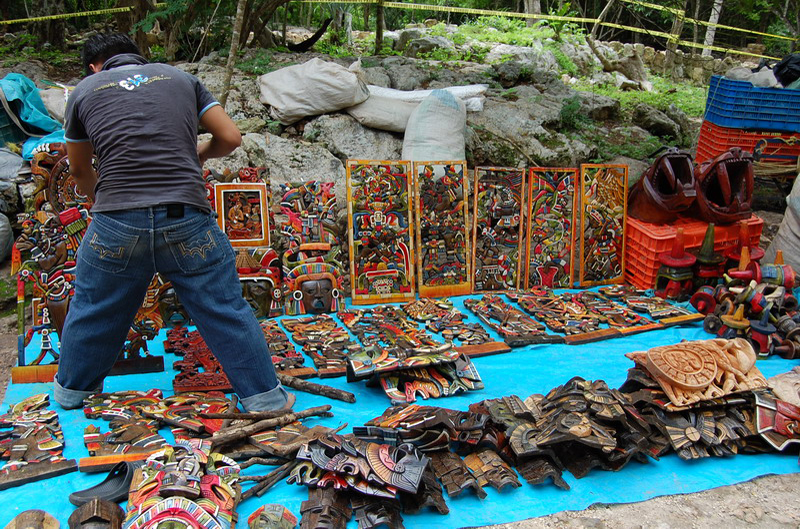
532, 369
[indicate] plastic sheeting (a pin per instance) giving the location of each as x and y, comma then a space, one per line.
532, 369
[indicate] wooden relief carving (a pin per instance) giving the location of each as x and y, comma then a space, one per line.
604, 205
497, 228
516, 328
442, 238
381, 241
328, 344
551, 221
242, 212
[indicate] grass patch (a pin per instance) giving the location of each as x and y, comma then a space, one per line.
690, 99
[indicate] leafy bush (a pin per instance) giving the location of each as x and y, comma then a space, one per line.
690, 99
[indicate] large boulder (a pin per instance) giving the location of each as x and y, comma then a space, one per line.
535, 56
404, 74
598, 106
243, 96
406, 36
656, 122
347, 138
426, 45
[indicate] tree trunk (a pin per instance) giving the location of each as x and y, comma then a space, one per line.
51, 31
379, 23
532, 7
672, 43
366, 16
348, 28
694, 24
713, 18
237, 32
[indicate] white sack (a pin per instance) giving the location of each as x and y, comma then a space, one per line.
383, 113
309, 89
788, 236
55, 101
472, 95
436, 129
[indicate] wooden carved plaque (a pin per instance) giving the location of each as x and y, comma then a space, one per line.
497, 228
380, 229
242, 213
442, 239
604, 204
551, 221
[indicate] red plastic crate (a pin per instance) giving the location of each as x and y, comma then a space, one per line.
645, 242
714, 140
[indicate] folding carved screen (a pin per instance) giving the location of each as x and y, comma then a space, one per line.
603, 210
551, 223
443, 249
381, 231
497, 223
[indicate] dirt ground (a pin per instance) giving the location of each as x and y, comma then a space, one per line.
769, 502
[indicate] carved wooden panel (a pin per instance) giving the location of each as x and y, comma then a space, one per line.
380, 229
443, 245
243, 213
551, 222
497, 222
604, 204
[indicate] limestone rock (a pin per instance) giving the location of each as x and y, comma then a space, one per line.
635, 168
406, 36
377, 76
598, 106
9, 198
679, 117
347, 138
404, 74
536, 56
251, 125
654, 121
427, 45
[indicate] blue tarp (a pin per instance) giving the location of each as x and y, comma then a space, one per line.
532, 369
23, 97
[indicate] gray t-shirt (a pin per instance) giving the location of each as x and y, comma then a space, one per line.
142, 121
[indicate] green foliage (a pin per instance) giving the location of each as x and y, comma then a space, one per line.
619, 144
259, 64
690, 99
571, 117
26, 47
564, 62
563, 26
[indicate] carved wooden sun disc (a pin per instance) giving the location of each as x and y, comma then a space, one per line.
682, 365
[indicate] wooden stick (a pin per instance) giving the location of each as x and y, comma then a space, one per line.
240, 432
269, 480
253, 415
316, 389
269, 461
230, 413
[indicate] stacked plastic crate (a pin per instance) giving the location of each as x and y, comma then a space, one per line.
763, 121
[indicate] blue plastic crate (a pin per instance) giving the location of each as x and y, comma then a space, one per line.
740, 105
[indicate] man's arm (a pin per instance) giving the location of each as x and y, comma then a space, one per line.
225, 137
80, 166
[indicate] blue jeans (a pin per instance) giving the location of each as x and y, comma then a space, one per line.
120, 252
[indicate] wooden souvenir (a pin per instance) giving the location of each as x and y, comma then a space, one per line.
603, 210
454, 474
516, 328
497, 224
372, 513
656, 308
324, 341
325, 508
242, 213
443, 248
551, 222
199, 370
429, 495
312, 269
285, 357
272, 516
441, 317
32, 443
380, 231
489, 469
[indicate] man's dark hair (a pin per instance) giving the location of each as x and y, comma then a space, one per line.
103, 46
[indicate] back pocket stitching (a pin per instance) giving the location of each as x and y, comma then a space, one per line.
103, 252
200, 250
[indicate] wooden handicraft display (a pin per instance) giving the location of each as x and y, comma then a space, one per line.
658, 309
603, 212
443, 250
259, 272
551, 222
404, 360
441, 317
242, 212
286, 359
380, 231
312, 268
497, 221
516, 328
324, 341
32, 443
199, 369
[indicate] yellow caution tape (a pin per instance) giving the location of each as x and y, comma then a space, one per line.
638, 30
731, 28
471, 11
725, 50
108, 11
672, 10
